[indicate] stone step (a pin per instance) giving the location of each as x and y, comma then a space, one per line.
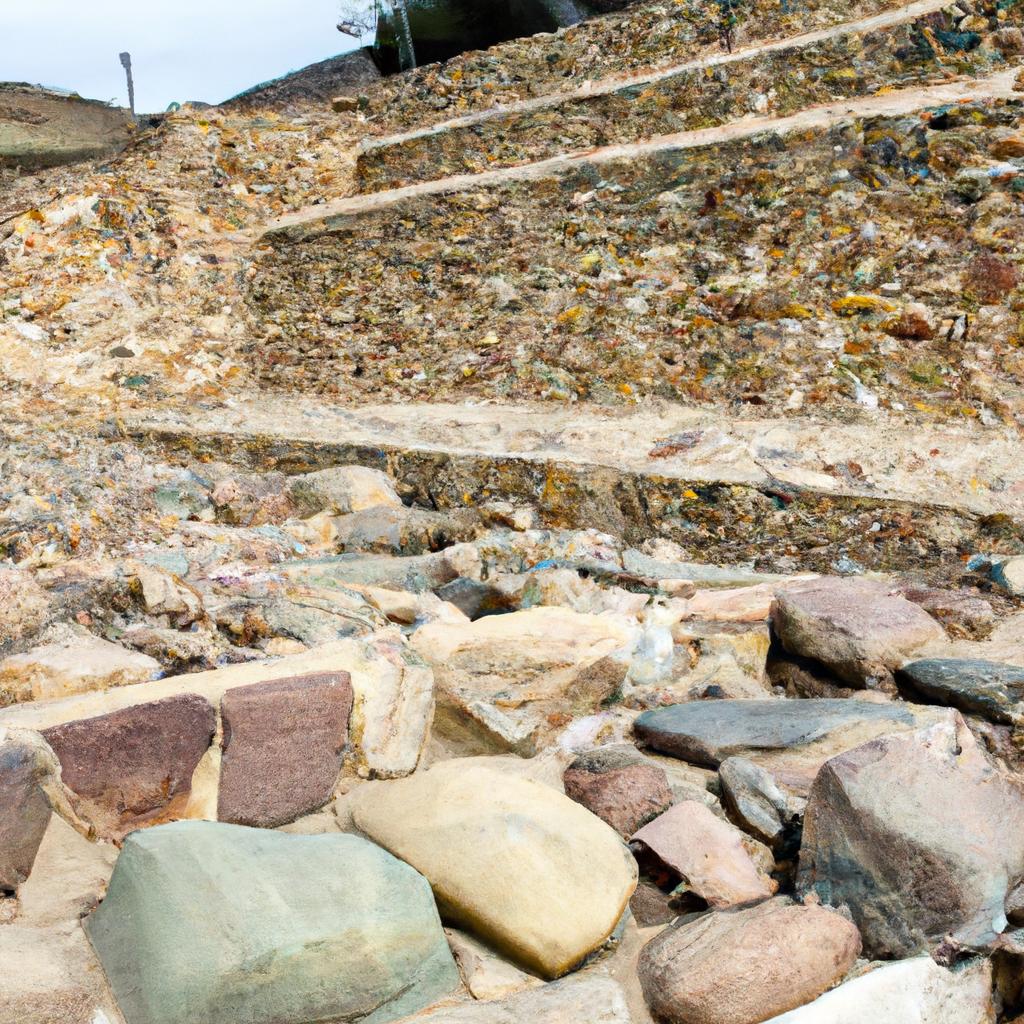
879, 492
646, 36
852, 256
914, 45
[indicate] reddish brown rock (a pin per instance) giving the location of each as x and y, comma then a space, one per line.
857, 627
713, 857
134, 767
618, 785
744, 966
283, 744
24, 807
913, 323
989, 278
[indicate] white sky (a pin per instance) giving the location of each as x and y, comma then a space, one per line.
181, 49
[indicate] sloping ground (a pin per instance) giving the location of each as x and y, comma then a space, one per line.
643, 37
726, 489
315, 84
915, 45
852, 256
39, 128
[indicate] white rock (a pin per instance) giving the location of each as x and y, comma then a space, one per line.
915, 991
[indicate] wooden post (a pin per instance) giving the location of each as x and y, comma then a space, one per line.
126, 63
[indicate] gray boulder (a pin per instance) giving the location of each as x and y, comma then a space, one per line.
987, 688
25, 765
756, 802
920, 836
791, 738
219, 923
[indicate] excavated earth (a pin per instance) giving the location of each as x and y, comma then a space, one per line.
577, 488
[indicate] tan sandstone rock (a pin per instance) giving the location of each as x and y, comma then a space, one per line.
78, 666
523, 867
508, 682
23, 606
343, 489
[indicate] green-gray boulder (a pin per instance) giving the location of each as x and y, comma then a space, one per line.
219, 923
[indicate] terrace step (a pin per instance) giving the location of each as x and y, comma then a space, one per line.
914, 45
772, 261
735, 489
646, 36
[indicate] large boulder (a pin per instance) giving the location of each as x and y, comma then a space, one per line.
711, 856
516, 862
219, 923
134, 767
78, 665
507, 682
619, 785
25, 766
736, 967
919, 835
857, 627
916, 991
282, 747
791, 738
987, 688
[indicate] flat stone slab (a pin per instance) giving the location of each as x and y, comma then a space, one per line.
219, 923
791, 739
987, 688
282, 747
709, 854
394, 697
134, 767
707, 732
593, 999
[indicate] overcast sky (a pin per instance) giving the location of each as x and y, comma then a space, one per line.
181, 50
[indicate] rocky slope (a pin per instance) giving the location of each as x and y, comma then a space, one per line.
539, 542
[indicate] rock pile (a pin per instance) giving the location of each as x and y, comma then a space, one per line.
307, 718
551, 767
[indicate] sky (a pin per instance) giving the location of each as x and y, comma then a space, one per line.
182, 50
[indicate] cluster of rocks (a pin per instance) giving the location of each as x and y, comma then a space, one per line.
535, 775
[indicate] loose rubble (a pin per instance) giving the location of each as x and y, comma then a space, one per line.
670, 708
